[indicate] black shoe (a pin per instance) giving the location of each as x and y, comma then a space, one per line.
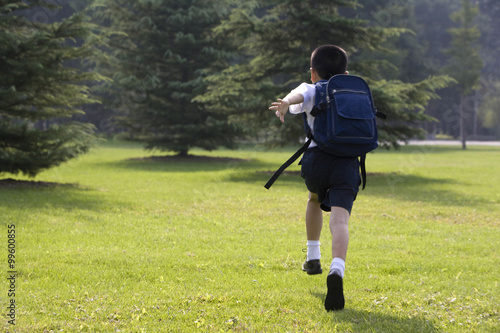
335, 295
312, 267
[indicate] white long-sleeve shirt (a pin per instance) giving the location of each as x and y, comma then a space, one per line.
308, 91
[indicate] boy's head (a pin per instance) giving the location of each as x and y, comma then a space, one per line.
328, 60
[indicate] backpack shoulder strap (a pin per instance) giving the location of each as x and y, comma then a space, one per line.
289, 162
320, 101
307, 128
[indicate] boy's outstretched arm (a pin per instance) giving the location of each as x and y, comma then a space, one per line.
281, 105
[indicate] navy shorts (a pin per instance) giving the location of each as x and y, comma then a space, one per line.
334, 179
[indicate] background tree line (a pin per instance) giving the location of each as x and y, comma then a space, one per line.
200, 73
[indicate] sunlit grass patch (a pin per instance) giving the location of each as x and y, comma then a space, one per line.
136, 244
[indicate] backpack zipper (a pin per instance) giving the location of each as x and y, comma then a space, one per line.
334, 91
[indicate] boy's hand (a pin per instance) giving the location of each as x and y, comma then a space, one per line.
281, 107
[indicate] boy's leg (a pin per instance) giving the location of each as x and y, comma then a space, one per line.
314, 218
339, 219
314, 224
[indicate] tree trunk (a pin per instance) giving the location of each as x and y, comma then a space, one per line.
183, 152
463, 134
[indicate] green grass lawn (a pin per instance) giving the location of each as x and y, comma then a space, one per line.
126, 244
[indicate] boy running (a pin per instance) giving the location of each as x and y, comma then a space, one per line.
333, 181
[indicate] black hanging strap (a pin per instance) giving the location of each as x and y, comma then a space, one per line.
362, 160
381, 115
288, 163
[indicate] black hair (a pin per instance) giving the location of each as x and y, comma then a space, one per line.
329, 60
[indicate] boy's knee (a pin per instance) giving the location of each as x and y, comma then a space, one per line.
313, 197
339, 215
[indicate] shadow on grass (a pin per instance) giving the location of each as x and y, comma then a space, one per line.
260, 177
26, 196
368, 320
16, 183
394, 181
190, 163
397, 186
420, 189
255, 172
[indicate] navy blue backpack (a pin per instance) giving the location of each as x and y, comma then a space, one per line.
345, 121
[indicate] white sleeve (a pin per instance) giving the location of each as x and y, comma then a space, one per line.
308, 91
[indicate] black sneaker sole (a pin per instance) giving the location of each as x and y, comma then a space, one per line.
313, 272
335, 295
318, 269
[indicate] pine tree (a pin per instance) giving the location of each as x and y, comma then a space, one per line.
465, 64
489, 110
158, 55
276, 39
490, 22
40, 91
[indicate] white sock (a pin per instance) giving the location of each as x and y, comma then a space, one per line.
313, 250
338, 264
